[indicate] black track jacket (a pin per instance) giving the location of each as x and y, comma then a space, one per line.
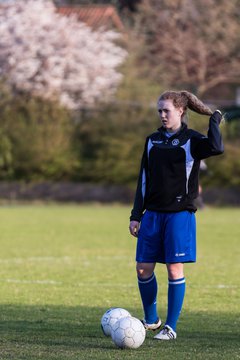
168, 179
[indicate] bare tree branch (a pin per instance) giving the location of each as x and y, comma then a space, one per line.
194, 44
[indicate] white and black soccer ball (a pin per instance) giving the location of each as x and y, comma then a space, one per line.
128, 333
110, 317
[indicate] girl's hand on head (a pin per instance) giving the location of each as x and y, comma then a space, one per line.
217, 116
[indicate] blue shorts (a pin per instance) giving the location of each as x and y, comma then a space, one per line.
167, 237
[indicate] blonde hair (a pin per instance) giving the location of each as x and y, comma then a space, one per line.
186, 100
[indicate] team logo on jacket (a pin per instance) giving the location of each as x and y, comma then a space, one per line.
175, 142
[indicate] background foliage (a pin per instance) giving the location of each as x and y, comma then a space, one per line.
42, 140
35, 139
186, 43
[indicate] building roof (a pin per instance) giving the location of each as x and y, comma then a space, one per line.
95, 16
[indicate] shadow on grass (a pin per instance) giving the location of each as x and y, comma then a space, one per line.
55, 332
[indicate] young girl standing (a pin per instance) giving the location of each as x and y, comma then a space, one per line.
164, 203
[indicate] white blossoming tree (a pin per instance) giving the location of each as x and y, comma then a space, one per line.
56, 57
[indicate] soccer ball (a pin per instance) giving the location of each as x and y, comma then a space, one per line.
128, 333
110, 318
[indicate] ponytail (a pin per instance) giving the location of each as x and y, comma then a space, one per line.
186, 100
194, 104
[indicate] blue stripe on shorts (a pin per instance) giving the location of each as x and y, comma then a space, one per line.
167, 237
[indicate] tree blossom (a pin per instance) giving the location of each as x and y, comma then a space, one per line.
57, 57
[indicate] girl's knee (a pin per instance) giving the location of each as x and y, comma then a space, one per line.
144, 270
175, 271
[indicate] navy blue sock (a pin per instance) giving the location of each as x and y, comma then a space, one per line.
148, 292
176, 292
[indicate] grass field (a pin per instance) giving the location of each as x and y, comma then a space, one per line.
62, 267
